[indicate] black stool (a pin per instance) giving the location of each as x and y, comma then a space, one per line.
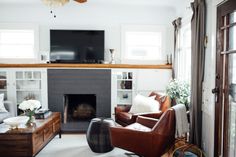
98, 135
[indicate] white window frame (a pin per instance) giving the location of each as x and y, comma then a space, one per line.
143, 28
23, 26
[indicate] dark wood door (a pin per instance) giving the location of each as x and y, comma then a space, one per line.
225, 106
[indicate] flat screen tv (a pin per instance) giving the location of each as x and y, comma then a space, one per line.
76, 46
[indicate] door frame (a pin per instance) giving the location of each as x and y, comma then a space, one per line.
221, 82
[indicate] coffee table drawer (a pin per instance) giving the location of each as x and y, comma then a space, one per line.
38, 139
48, 131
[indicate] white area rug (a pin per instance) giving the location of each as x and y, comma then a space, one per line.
74, 145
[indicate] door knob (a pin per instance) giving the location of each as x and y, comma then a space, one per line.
215, 90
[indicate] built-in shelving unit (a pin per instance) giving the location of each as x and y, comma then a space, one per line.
28, 85
19, 84
124, 87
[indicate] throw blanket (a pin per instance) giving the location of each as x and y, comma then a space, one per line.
181, 120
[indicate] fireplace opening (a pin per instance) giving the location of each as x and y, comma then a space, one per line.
79, 107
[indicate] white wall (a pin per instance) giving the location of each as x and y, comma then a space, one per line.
88, 16
208, 107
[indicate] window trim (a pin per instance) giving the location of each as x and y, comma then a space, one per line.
19, 26
143, 28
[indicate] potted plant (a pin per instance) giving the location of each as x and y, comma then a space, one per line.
179, 92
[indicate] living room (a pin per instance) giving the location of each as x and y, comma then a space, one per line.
162, 33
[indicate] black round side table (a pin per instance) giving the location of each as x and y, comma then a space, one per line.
98, 135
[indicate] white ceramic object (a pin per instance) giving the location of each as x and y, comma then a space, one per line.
14, 122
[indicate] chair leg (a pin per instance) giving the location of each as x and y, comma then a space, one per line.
130, 154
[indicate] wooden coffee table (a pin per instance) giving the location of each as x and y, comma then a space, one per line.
29, 140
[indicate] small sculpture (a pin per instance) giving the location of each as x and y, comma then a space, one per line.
112, 51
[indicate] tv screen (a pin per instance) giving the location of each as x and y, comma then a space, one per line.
76, 46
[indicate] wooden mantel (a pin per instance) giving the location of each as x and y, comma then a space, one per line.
56, 65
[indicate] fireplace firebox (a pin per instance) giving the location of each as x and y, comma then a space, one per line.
79, 107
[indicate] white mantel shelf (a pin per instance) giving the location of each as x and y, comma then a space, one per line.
56, 65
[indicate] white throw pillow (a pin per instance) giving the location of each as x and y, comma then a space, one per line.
2, 107
143, 104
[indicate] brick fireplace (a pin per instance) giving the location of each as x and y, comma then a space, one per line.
80, 95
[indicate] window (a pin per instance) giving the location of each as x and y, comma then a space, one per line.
18, 44
143, 44
184, 54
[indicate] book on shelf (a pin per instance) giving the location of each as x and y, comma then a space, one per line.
43, 114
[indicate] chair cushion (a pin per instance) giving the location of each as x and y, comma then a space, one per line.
139, 127
144, 104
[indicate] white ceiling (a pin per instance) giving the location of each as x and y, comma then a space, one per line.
163, 3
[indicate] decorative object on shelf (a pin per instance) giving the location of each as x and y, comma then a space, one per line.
15, 122
29, 107
167, 60
130, 75
179, 92
30, 96
170, 61
125, 96
122, 84
112, 51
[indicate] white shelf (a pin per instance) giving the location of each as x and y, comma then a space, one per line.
123, 103
124, 79
28, 90
28, 79
124, 90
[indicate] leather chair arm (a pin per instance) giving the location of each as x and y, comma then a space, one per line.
124, 108
146, 121
150, 115
134, 139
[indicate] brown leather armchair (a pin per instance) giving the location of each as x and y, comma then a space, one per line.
124, 118
147, 137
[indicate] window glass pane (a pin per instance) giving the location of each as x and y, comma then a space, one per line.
184, 54
17, 37
143, 45
16, 51
17, 43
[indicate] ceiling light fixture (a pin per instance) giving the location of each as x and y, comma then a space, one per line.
55, 3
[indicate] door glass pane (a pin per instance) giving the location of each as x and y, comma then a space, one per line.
19, 75
232, 106
37, 74
232, 17
28, 75
232, 38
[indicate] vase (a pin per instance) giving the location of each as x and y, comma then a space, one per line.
31, 120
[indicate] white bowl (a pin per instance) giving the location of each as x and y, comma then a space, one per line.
14, 122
